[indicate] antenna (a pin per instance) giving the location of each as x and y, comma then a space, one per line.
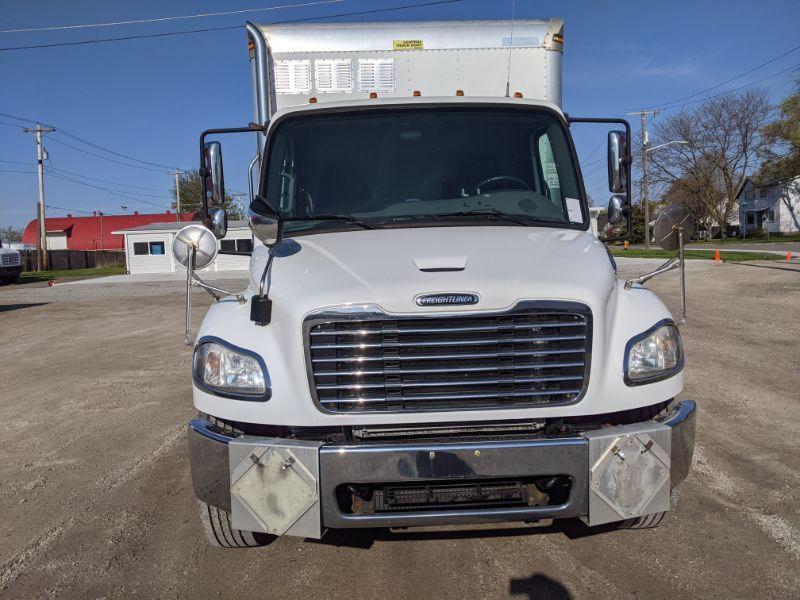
510, 47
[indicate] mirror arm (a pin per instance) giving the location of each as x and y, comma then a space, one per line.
672, 263
216, 293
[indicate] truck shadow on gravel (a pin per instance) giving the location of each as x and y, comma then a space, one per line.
10, 307
365, 538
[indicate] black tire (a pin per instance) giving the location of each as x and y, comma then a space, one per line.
219, 532
217, 522
645, 522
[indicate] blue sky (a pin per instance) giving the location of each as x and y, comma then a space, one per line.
150, 99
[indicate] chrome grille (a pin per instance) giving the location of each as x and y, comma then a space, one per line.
536, 354
10, 260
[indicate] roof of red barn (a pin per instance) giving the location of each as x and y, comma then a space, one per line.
84, 233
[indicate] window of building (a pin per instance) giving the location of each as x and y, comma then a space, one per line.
749, 194
751, 219
140, 248
245, 245
763, 192
770, 216
157, 248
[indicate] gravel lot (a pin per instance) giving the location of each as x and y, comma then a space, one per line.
96, 499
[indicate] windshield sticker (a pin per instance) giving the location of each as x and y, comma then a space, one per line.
574, 210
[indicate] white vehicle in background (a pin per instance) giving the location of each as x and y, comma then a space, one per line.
431, 334
10, 264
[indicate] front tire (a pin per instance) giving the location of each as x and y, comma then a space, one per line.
645, 522
217, 524
221, 534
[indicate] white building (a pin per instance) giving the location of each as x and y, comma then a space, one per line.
148, 248
773, 207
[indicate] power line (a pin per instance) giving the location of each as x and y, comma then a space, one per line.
87, 142
734, 78
109, 191
736, 89
93, 145
69, 210
229, 27
16, 171
54, 171
63, 143
125, 185
173, 18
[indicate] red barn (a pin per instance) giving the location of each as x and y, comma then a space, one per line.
94, 233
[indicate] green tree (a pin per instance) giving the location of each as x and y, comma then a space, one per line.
192, 196
10, 234
781, 156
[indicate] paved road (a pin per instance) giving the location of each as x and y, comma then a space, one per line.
96, 499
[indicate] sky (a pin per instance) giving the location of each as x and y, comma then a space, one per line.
149, 99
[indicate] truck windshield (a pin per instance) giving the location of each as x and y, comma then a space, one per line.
426, 167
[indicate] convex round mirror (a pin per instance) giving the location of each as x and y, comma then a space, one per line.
665, 230
197, 240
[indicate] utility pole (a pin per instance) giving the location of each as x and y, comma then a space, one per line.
645, 201
177, 174
41, 240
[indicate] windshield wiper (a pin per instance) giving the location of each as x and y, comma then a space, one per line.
344, 218
490, 213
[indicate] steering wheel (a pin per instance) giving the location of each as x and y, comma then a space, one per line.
477, 189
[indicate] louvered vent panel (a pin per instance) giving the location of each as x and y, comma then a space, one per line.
376, 75
333, 76
292, 76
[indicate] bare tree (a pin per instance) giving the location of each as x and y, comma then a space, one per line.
723, 140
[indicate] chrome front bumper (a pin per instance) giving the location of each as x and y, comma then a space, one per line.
215, 458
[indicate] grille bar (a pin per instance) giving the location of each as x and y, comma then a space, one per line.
449, 382
532, 355
465, 342
509, 354
462, 329
445, 397
471, 369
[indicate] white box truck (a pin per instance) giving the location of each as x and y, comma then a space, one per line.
431, 334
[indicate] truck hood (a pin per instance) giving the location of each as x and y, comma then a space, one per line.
390, 267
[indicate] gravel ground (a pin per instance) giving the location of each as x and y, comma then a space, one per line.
97, 501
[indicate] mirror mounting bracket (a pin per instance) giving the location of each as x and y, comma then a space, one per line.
203, 171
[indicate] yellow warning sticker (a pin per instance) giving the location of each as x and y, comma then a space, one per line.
408, 45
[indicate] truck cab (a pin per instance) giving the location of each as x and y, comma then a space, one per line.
431, 334
10, 264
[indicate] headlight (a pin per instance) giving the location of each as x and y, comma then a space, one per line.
229, 371
654, 355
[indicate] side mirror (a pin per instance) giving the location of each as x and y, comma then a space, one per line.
617, 151
615, 209
267, 228
219, 223
215, 181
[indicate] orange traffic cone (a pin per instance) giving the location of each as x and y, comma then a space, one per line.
626, 244
789, 256
717, 257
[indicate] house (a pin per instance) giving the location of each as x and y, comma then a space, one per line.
772, 207
148, 248
94, 232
